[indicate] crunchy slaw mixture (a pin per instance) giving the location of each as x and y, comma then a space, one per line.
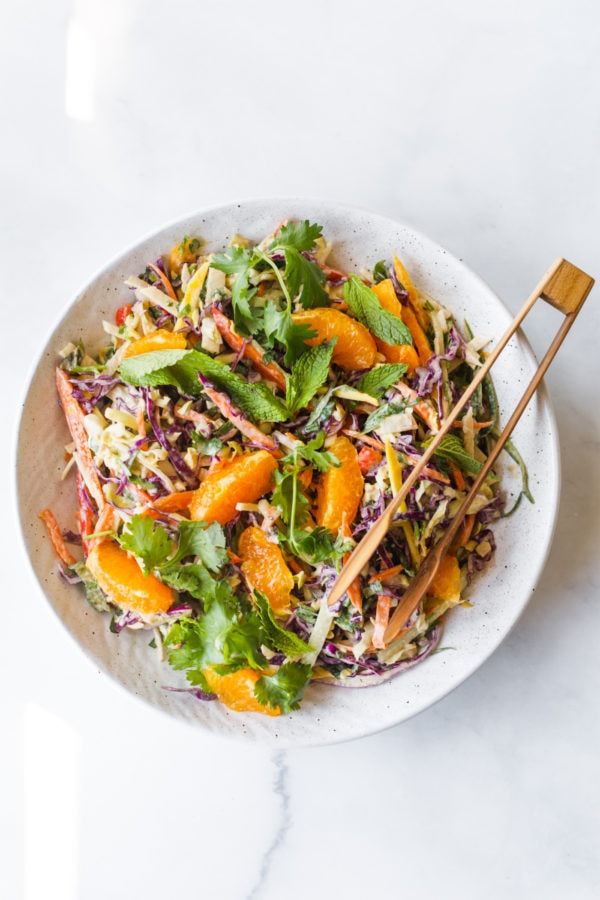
252, 415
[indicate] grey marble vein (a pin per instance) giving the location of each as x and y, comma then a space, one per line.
281, 791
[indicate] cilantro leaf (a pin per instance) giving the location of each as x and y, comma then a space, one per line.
238, 261
147, 541
205, 541
206, 446
277, 323
305, 280
382, 412
193, 578
308, 374
364, 304
317, 545
451, 447
278, 638
311, 453
300, 235
285, 688
181, 367
378, 380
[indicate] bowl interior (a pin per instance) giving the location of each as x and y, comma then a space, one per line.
498, 595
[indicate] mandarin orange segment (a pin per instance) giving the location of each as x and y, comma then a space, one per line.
394, 353
446, 583
156, 340
355, 347
236, 691
340, 489
265, 569
122, 580
242, 480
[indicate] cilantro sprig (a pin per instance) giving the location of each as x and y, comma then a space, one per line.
285, 688
238, 261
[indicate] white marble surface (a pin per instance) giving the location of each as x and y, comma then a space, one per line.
479, 123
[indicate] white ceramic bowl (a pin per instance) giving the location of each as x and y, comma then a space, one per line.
499, 595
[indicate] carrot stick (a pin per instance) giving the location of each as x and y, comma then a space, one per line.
418, 335
55, 534
457, 476
74, 417
85, 513
382, 616
228, 410
464, 534
386, 574
249, 351
165, 281
233, 556
425, 410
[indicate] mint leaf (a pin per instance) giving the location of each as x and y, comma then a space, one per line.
238, 261
451, 447
278, 638
300, 235
285, 688
180, 368
382, 412
378, 380
205, 541
147, 541
364, 304
308, 374
305, 280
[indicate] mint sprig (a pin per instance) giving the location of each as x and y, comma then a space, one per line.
365, 305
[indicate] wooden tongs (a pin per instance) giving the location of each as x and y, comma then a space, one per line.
565, 287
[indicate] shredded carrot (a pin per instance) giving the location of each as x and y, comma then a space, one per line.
58, 542
294, 565
365, 439
368, 458
476, 425
254, 434
174, 502
305, 477
248, 349
421, 407
140, 420
457, 476
386, 574
85, 515
261, 289
74, 416
234, 557
382, 617
418, 335
464, 534
165, 281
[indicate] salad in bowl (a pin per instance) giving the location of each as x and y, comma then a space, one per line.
251, 415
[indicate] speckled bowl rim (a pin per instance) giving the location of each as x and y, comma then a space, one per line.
325, 738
